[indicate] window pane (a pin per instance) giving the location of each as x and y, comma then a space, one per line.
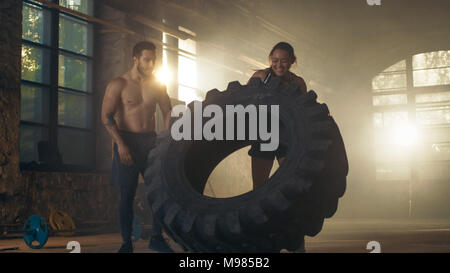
390, 100
35, 24
187, 71
29, 139
170, 66
434, 171
436, 151
34, 104
400, 66
430, 116
35, 63
435, 135
431, 60
434, 97
390, 151
430, 77
83, 6
74, 109
389, 81
73, 73
393, 172
188, 94
390, 119
75, 147
378, 120
188, 45
74, 35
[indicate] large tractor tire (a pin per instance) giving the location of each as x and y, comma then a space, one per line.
294, 201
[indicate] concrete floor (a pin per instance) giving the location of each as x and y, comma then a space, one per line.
337, 236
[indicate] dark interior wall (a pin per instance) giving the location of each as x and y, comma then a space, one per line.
340, 45
10, 37
397, 30
10, 45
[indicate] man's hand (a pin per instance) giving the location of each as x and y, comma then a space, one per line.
124, 154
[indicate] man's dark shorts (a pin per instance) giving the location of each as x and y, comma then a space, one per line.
140, 144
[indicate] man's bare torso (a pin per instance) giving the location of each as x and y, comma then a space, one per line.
136, 112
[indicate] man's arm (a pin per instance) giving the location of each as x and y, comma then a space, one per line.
165, 105
111, 102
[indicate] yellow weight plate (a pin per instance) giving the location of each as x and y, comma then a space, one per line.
61, 221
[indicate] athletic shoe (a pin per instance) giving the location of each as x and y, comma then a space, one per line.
157, 243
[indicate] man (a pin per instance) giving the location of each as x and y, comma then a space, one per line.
128, 113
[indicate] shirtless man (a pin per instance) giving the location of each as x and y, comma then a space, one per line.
281, 58
128, 113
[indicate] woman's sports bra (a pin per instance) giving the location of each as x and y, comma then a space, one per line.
266, 80
269, 75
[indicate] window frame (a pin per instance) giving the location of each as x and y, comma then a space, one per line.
412, 108
54, 90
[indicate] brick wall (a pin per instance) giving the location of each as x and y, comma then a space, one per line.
10, 45
85, 197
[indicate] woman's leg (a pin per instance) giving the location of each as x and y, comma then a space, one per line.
261, 168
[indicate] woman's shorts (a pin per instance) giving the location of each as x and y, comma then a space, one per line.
278, 153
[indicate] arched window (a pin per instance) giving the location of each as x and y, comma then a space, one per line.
411, 118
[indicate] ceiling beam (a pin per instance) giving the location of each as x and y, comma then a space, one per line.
141, 18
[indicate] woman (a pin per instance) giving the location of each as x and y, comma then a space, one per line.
281, 58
